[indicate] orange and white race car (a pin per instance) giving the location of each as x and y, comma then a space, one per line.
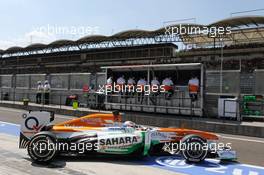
103, 133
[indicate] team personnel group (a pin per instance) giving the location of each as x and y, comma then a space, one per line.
167, 85
43, 92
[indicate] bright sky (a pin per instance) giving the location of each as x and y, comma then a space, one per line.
33, 21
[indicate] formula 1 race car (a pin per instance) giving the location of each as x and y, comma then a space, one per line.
103, 133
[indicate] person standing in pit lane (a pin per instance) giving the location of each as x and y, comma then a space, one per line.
46, 92
40, 89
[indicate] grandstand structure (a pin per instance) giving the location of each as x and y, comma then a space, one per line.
233, 62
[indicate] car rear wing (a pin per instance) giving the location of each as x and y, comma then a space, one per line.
32, 123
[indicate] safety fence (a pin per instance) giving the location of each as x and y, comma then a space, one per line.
60, 81
235, 82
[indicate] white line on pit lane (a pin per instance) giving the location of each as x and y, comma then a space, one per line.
241, 139
9, 123
11, 109
23, 111
252, 166
245, 165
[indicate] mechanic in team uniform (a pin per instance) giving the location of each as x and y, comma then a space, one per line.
168, 86
120, 84
131, 83
193, 86
141, 84
155, 82
154, 85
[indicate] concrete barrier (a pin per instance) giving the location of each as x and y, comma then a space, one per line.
233, 127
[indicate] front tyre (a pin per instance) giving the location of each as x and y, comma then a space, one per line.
195, 149
42, 147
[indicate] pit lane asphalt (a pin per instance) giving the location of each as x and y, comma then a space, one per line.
249, 149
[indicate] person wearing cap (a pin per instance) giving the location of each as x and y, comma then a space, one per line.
120, 84
141, 85
46, 92
168, 87
109, 87
155, 84
193, 86
109, 82
39, 92
131, 83
129, 124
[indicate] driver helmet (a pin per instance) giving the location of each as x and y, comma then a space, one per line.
129, 124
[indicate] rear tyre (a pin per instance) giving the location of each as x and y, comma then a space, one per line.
195, 149
42, 147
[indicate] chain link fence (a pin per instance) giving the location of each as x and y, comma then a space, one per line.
230, 82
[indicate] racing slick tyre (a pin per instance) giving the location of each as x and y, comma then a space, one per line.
42, 147
194, 148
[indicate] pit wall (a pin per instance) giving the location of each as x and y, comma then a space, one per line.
235, 83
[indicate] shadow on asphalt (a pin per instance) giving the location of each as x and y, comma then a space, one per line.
61, 161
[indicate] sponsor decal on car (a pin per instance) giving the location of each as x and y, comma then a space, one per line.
121, 129
162, 136
119, 141
91, 120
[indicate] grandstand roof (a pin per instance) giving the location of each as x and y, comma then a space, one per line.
92, 38
244, 29
13, 49
131, 34
35, 46
240, 21
61, 43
